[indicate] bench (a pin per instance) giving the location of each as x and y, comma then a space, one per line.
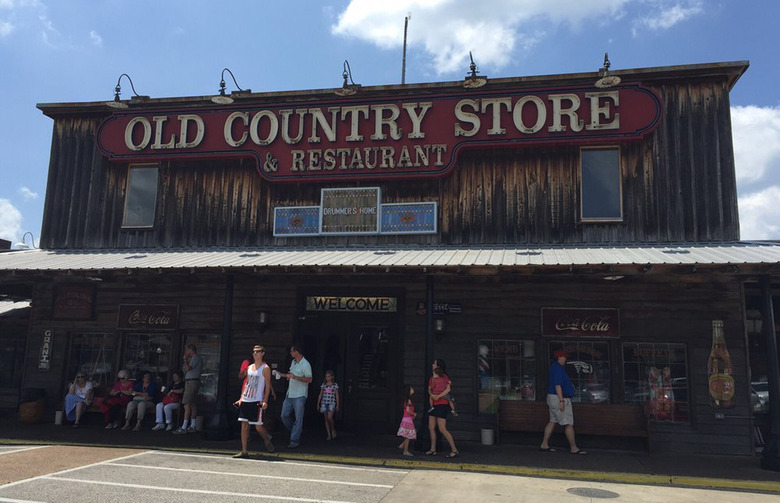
611, 420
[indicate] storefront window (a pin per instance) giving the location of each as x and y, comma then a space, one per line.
656, 375
92, 355
506, 370
208, 347
588, 368
148, 353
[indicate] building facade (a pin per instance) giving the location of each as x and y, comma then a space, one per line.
488, 224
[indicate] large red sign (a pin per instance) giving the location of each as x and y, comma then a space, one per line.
372, 138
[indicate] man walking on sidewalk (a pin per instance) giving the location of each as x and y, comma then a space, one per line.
294, 404
192, 367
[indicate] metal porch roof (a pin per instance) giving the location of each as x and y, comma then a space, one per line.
439, 257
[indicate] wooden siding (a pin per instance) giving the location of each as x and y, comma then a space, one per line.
678, 185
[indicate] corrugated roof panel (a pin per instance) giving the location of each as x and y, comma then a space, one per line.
378, 256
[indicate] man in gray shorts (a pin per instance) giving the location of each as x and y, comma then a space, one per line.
192, 367
560, 391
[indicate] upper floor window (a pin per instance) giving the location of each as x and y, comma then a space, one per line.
141, 196
601, 194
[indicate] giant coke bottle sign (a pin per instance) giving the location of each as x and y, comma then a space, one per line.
374, 138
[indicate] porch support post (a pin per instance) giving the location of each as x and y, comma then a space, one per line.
771, 454
218, 427
429, 337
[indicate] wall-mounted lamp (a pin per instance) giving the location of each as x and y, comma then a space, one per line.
606, 79
222, 98
438, 326
117, 103
22, 245
349, 87
263, 319
615, 277
472, 80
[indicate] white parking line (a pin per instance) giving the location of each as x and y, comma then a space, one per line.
22, 449
285, 461
193, 491
252, 475
41, 477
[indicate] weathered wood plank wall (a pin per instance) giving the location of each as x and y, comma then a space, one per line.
678, 185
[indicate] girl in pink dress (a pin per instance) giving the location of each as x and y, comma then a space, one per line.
407, 430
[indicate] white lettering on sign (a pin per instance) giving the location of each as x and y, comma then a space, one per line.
158, 130
564, 115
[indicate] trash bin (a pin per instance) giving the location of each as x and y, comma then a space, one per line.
32, 405
487, 436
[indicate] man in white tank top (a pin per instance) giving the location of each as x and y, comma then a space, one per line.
254, 400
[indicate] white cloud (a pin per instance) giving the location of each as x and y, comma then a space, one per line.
668, 13
10, 221
758, 215
756, 133
449, 29
6, 28
28, 194
96, 38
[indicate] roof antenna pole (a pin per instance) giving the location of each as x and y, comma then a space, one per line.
403, 64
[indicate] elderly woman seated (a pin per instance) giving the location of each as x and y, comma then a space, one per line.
144, 395
117, 398
77, 400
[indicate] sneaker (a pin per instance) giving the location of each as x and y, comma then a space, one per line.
179, 431
192, 429
110, 426
126, 426
292, 445
270, 446
158, 427
169, 427
240, 455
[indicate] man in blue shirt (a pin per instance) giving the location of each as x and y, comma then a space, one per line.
560, 391
294, 404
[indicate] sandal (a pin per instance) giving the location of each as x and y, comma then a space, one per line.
452, 454
430, 453
580, 453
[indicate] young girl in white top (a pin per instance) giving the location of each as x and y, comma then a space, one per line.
328, 402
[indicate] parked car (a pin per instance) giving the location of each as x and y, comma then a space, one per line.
759, 396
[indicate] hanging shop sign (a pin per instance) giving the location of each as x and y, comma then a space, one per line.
580, 322
148, 317
44, 360
74, 302
352, 304
379, 138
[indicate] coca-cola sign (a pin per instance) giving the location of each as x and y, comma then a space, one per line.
580, 322
148, 317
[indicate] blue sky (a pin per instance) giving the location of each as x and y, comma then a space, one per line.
55, 51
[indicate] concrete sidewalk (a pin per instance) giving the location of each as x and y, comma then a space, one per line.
719, 472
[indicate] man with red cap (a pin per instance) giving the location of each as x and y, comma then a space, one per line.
560, 391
